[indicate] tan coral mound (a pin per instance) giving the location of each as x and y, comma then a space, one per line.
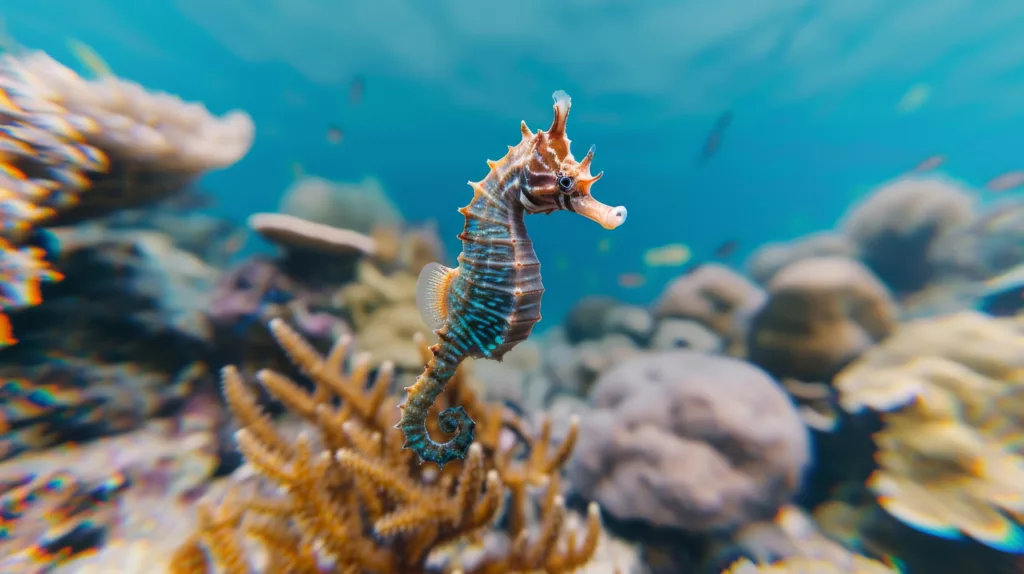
292, 232
353, 501
951, 394
151, 144
716, 297
821, 313
691, 441
362, 206
801, 565
793, 544
898, 229
384, 314
770, 258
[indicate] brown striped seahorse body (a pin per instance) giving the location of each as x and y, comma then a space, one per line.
491, 301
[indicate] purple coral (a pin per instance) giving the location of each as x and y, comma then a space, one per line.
691, 441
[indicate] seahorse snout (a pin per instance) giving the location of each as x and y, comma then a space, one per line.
616, 217
606, 216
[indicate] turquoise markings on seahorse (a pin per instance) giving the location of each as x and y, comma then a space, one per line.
491, 301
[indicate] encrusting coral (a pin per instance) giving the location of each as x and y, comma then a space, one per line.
73, 149
950, 391
354, 501
130, 145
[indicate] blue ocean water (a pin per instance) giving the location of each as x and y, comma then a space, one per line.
813, 86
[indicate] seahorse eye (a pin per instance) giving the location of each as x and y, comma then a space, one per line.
565, 183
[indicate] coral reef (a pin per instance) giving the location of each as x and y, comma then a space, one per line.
770, 258
716, 297
136, 146
75, 149
361, 207
69, 507
793, 544
821, 313
382, 310
897, 228
670, 441
949, 392
354, 499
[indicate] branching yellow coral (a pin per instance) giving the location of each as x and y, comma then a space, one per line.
951, 394
354, 501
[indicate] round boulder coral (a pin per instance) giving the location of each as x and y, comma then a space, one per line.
821, 314
687, 440
716, 297
896, 229
771, 258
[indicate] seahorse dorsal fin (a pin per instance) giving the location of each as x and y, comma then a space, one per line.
432, 288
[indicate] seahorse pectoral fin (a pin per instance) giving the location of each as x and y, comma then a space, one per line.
432, 289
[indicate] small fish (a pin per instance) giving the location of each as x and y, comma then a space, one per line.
89, 58
334, 134
1007, 181
931, 163
298, 171
356, 89
914, 98
726, 249
604, 246
714, 139
672, 255
631, 280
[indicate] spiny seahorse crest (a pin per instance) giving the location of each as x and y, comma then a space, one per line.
551, 178
491, 301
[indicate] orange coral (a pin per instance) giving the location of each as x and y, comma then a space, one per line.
353, 499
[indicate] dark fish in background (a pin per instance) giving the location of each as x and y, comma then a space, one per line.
1007, 181
356, 89
335, 134
714, 139
933, 162
726, 249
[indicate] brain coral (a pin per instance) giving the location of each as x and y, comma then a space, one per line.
689, 440
821, 313
360, 206
718, 298
897, 228
950, 455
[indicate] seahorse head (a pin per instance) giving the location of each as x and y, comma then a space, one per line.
554, 181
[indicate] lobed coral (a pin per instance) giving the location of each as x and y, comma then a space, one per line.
689, 441
352, 500
793, 544
65, 134
62, 135
899, 229
361, 207
821, 313
716, 297
950, 391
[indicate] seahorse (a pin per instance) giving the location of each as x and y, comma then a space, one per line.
491, 301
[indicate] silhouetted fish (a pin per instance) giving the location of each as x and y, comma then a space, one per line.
714, 139
726, 249
335, 134
356, 89
1007, 181
933, 162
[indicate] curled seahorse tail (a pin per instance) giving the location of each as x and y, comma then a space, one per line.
453, 420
